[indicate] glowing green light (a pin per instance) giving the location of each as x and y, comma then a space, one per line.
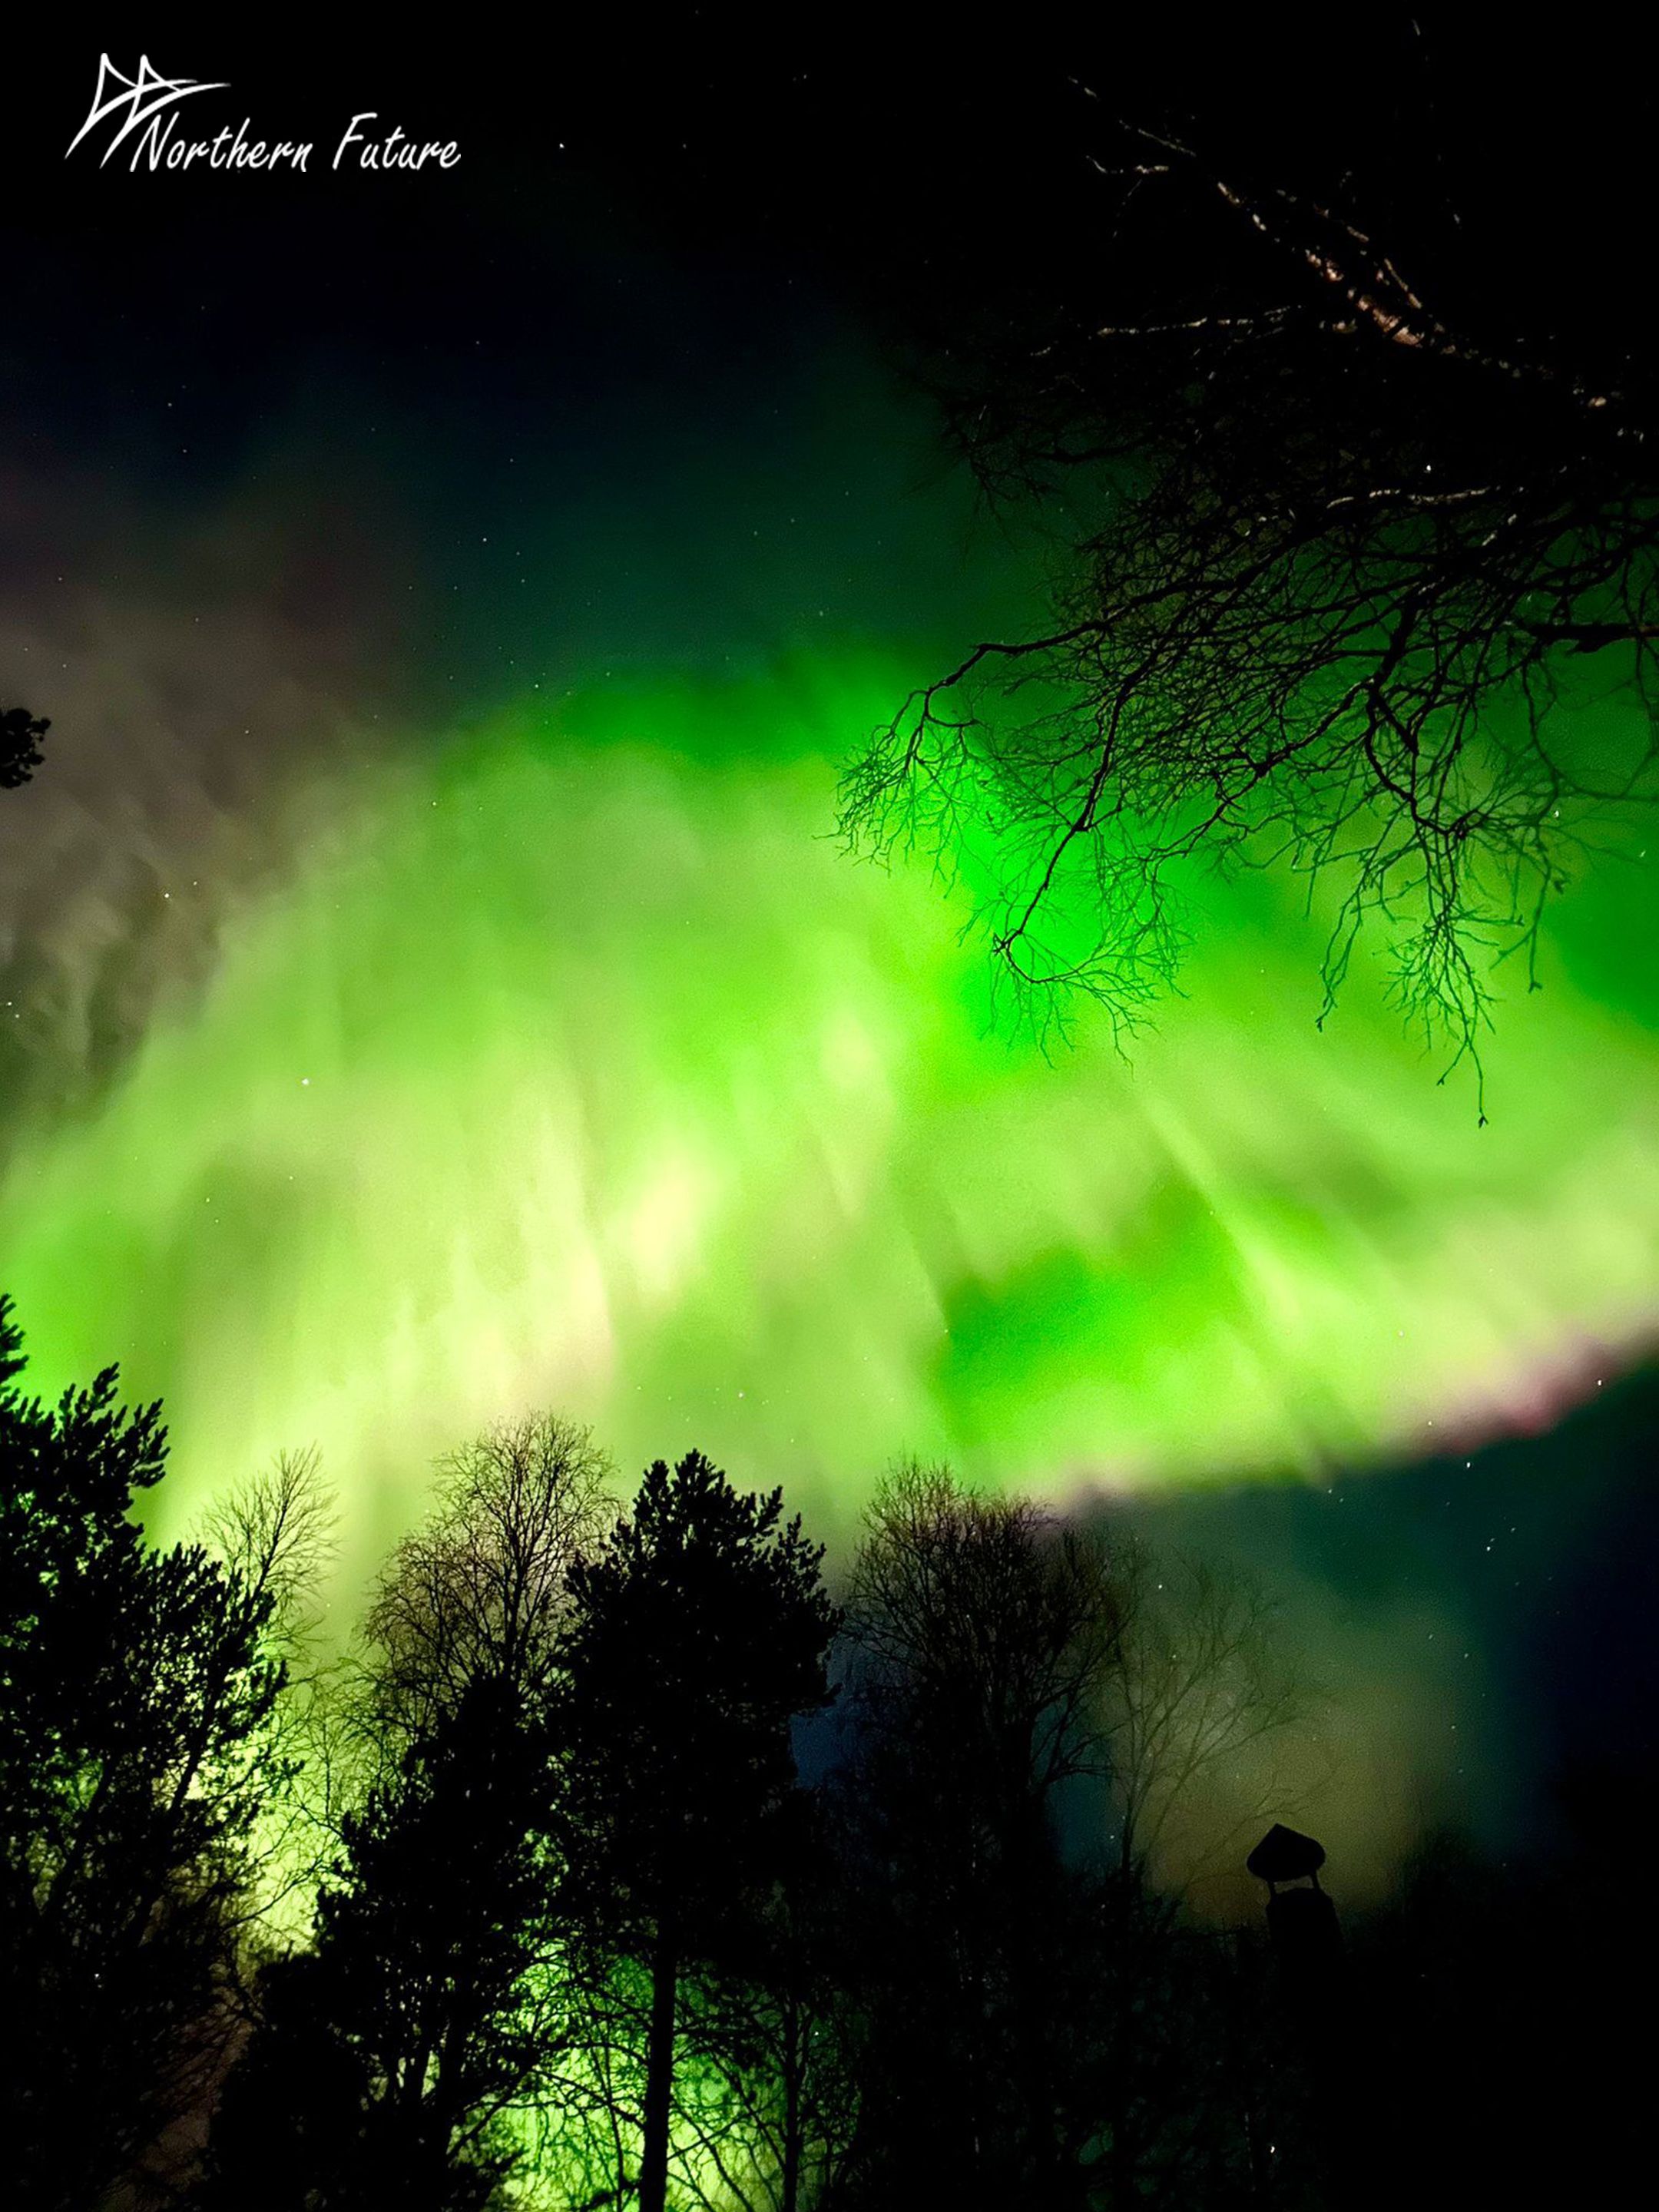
578, 1066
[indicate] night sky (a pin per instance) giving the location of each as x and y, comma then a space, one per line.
432, 987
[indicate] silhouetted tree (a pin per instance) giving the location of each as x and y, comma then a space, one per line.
990, 1626
1198, 1689
137, 1755
699, 1633
387, 2057
1338, 543
982, 1634
480, 1588
1036, 1705
274, 1532
772, 2030
21, 734
432, 1996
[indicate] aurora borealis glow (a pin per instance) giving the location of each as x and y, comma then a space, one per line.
571, 1062
433, 988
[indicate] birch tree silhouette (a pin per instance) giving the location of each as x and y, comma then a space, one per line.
1338, 545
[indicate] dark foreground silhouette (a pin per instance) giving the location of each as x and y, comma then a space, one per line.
618, 1863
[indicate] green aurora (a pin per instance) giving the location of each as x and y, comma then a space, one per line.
572, 1063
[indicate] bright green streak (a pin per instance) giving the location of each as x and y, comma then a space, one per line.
581, 1068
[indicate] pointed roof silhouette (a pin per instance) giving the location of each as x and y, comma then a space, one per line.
1283, 1855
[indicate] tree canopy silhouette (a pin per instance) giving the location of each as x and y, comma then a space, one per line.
386, 2057
480, 1589
21, 734
699, 1633
980, 1635
1339, 535
428, 2004
137, 1752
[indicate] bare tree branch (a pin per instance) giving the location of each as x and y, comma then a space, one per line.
1337, 557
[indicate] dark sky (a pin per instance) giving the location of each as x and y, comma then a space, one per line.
910, 177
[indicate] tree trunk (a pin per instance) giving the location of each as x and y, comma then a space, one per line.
793, 2066
659, 2075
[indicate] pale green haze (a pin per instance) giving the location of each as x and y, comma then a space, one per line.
572, 1063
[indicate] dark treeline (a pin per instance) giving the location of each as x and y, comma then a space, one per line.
626, 1861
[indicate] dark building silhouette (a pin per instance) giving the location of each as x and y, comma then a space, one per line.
1300, 1918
